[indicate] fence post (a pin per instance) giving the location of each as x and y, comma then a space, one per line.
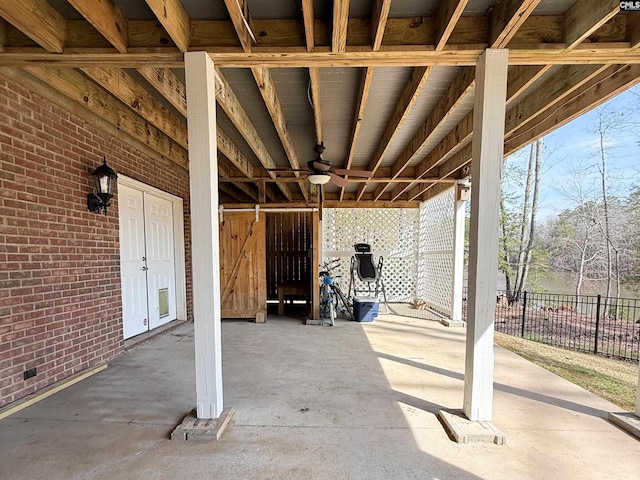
524, 312
595, 347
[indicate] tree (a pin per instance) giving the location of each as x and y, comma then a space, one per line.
517, 224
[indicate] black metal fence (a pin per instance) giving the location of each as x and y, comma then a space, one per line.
586, 323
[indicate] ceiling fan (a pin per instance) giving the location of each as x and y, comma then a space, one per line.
320, 171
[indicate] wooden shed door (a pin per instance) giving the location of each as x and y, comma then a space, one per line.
243, 276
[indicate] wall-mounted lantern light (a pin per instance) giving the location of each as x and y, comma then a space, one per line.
105, 179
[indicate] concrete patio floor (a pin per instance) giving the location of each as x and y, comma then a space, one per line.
354, 401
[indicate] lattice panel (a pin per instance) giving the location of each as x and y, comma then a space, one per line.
391, 233
435, 252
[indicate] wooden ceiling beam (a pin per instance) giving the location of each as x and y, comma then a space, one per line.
585, 17
406, 100
175, 20
340, 25
39, 21
593, 53
612, 81
168, 85
445, 20
229, 178
507, 17
267, 88
125, 88
235, 9
361, 103
82, 90
434, 192
240, 119
314, 73
379, 22
633, 29
550, 92
107, 19
290, 35
457, 91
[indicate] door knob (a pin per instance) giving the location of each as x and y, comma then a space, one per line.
144, 269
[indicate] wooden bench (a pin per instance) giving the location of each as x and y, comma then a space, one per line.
287, 291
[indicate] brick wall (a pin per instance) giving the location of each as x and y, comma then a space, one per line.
60, 298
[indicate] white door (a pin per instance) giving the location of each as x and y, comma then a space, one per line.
146, 260
161, 275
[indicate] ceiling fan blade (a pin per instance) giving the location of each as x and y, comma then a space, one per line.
336, 180
321, 166
353, 173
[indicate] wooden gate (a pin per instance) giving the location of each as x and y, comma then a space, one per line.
243, 285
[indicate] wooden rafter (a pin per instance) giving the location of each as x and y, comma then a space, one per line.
39, 21
82, 90
268, 91
175, 20
461, 86
379, 21
520, 78
340, 23
234, 7
599, 89
239, 117
586, 16
361, 103
168, 85
633, 29
125, 88
446, 16
507, 17
107, 19
314, 74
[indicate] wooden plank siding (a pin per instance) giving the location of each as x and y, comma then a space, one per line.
288, 243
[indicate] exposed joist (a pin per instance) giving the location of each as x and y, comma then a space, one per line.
594, 53
363, 96
434, 192
506, 18
38, 20
238, 116
107, 19
549, 93
407, 99
124, 87
175, 20
445, 20
233, 154
85, 92
340, 24
168, 85
633, 29
352, 180
586, 16
308, 19
614, 80
379, 22
234, 7
314, 74
457, 91
267, 89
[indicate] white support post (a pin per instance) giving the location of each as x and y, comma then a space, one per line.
486, 165
460, 202
203, 174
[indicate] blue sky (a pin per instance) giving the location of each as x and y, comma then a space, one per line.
572, 148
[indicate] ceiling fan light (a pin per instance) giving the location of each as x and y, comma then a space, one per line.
319, 178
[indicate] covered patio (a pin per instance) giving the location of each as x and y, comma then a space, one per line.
352, 401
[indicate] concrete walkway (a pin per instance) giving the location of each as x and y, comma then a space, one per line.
354, 401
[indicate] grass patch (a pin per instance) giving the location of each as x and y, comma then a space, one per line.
613, 380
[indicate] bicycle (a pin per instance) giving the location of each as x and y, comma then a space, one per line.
330, 293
